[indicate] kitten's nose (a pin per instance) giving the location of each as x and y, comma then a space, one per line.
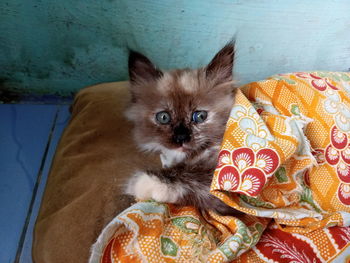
181, 138
182, 134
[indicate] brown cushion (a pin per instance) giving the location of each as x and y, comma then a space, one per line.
85, 185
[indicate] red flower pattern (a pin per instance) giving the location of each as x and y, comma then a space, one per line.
319, 155
344, 193
332, 155
339, 139
229, 179
337, 154
307, 178
243, 157
317, 82
243, 171
224, 158
253, 180
266, 160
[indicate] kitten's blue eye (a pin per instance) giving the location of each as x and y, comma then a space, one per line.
199, 116
163, 117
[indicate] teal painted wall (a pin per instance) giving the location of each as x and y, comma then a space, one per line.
50, 46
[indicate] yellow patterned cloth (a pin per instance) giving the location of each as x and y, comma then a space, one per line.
284, 162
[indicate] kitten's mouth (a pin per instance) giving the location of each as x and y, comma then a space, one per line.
184, 148
188, 148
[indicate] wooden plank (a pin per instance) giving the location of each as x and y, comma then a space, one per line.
24, 131
61, 122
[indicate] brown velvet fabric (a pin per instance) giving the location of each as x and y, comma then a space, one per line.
84, 189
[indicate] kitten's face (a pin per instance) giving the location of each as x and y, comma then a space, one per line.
183, 110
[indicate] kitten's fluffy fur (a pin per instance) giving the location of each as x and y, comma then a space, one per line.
188, 164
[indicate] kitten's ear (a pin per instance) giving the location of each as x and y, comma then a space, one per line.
220, 67
141, 68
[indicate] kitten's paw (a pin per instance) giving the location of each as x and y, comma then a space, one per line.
145, 186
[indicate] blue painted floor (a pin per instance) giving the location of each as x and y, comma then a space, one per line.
28, 138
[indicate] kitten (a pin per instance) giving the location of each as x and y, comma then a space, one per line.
181, 114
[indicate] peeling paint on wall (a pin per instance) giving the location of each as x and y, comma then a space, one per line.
58, 47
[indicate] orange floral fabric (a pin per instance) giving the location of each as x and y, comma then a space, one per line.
284, 162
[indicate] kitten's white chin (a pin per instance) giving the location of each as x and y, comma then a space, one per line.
169, 157
184, 148
181, 149
172, 157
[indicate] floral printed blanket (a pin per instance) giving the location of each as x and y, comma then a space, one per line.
284, 162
